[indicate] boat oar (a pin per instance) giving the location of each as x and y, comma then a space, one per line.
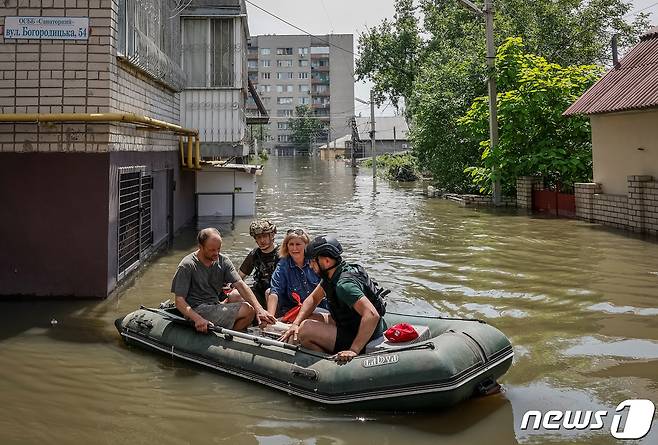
230, 333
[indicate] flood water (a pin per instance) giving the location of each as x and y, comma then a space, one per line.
579, 303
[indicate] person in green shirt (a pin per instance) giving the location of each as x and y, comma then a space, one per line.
356, 309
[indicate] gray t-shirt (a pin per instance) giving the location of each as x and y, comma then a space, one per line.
200, 284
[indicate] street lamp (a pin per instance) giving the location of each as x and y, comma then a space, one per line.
487, 14
372, 132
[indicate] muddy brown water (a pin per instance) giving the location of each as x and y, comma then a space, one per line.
579, 303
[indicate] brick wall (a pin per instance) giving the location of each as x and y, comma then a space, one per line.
524, 187
636, 211
479, 200
58, 76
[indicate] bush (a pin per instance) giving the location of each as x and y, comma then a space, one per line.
402, 168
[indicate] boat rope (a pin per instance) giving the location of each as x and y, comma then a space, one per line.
437, 317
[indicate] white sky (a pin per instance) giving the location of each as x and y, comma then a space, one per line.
345, 17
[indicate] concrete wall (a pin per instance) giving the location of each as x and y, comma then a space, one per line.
624, 144
54, 226
341, 86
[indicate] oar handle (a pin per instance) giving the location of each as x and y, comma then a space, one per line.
255, 339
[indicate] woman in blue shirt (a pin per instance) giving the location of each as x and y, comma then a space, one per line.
293, 279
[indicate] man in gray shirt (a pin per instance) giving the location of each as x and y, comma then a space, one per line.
198, 284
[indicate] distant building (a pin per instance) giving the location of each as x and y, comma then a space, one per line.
390, 133
292, 70
623, 111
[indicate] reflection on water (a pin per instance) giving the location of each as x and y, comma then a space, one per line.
580, 305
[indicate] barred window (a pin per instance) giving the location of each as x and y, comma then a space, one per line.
209, 52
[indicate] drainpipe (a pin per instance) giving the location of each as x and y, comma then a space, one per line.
190, 140
197, 163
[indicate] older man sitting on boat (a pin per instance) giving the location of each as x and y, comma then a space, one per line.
355, 305
198, 283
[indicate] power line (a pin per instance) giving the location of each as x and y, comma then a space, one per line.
300, 29
640, 10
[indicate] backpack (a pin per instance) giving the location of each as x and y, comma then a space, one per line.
373, 292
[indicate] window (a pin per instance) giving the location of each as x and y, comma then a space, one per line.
138, 28
285, 76
284, 51
252, 64
283, 126
266, 63
303, 63
319, 50
284, 101
302, 51
320, 89
253, 77
320, 77
320, 63
303, 75
284, 88
266, 100
208, 63
287, 63
283, 138
265, 52
284, 113
304, 100
264, 75
264, 88
304, 89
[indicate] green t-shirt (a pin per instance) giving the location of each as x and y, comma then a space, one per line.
342, 295
200, 284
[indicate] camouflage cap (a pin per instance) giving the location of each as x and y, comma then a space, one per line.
261, 226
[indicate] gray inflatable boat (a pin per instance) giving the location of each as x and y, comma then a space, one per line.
450, 361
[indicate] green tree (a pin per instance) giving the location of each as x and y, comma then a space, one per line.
432, 54
534, 136
304, 126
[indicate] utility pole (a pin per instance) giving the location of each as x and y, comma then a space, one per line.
488, 15
394, 140
372, 135
493, 93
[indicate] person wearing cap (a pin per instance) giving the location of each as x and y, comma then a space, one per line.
198, 283
356, 309
293, 279
261, 260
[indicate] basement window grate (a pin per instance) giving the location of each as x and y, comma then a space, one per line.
135, 236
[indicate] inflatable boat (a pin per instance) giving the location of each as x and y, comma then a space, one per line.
450, 361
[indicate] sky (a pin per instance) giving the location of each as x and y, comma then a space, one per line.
345, 17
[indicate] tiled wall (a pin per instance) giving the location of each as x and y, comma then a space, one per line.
57, 76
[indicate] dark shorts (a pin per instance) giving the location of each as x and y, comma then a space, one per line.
222, 315
345, 337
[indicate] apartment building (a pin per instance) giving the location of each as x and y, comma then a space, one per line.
293, 70
104, 107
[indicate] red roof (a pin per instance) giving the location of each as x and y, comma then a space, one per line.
632, 85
